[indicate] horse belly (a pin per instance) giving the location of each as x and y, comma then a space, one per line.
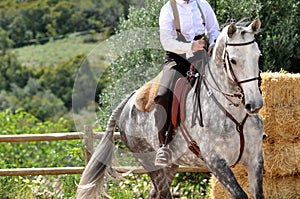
226, 145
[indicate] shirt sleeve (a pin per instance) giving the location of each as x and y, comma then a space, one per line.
168, 33
212, 25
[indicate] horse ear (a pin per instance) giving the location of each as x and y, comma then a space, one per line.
255, 25
231, 30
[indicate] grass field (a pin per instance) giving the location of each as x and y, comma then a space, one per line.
56, 51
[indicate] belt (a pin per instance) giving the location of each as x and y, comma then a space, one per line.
198, 37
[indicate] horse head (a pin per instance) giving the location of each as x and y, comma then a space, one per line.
240, 57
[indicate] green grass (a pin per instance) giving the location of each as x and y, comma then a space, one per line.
56, 51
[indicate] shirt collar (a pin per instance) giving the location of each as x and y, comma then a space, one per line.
183, 2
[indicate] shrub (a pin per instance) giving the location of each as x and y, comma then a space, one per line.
37, 154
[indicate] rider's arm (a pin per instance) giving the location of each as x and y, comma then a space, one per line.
168, 33
212, 25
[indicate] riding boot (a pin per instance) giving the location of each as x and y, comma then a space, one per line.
163, 122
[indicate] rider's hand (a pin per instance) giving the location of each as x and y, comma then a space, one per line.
198, 45
210, 49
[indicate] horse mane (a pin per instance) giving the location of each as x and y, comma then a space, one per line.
242, 22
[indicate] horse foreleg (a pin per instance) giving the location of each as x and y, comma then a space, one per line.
224, 174
160, 188
171, 172
255, 170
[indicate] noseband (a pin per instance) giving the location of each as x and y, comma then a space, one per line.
226, 57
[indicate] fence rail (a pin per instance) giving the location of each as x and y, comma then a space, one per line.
88, 135
50, 137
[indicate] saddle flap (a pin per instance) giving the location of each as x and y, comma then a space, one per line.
181, 90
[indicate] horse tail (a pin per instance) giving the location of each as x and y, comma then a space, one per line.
92, 178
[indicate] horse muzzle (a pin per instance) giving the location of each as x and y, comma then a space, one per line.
253, 107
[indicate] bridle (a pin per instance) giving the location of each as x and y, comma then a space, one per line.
226, 58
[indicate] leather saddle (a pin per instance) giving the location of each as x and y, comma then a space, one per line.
147, 93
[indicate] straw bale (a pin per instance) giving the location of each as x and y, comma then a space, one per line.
280, 89
282, 188
281, 124
274, 188
282, 159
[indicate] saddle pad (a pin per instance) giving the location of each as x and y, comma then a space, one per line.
146, 94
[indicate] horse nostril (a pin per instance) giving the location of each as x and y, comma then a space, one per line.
248, 107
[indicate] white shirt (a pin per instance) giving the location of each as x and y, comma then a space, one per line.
191, 25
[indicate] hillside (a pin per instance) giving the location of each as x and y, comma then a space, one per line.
57, 51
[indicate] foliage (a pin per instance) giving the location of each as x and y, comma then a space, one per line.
280, 37
46, 92
191, 185
236, 9
5, 41
60, 78
57, 18
36, 154
37, 101
133, 186
12, 72
138, 61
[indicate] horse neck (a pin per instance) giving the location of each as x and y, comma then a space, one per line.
217, 68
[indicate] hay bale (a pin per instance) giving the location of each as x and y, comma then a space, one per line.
274, 188
284, 187
281, 124
280, 89
282, 159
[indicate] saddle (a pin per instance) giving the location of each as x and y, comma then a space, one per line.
147, 93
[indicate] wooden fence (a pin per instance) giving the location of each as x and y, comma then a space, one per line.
89, 137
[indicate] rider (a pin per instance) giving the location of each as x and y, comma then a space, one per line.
181, 42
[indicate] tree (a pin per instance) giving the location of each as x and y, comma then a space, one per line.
280, 37
5, 41
12, 72
35, 100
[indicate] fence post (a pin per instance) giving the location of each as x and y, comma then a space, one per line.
88, 131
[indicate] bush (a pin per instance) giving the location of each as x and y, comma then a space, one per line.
34, 99
37, 154
280, 37
12, 72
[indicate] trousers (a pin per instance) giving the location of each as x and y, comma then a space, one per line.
175, 66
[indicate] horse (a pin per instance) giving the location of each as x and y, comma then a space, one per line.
232, 129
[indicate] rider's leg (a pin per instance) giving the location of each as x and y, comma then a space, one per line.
162, 117
174, 68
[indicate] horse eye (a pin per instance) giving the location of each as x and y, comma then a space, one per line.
232, 61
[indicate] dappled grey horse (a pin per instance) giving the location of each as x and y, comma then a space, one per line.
231, 129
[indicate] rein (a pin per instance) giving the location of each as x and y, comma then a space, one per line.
202, 78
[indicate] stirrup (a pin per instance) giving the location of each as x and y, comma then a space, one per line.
163, 157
